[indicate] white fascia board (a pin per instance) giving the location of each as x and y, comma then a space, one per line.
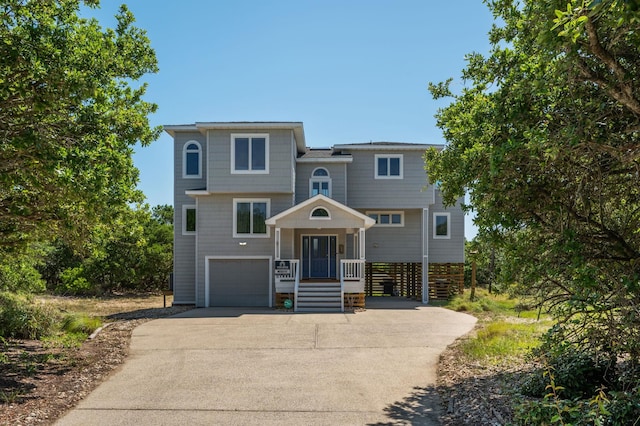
346, 159
295, 126
196, 193
374, 147
368, 222
172, 129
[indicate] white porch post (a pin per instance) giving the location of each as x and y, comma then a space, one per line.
277, 251
361, 243
425, 255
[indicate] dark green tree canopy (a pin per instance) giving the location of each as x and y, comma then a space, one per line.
69, 117
545, 139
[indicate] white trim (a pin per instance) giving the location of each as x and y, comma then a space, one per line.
184, 160
203, 127
336, 159
337, 258
367, 221
235, 217
388, 156
387, 147
442, 237
425, 255
346, 185
186, 207
196, 192
207, 284
389, 213
250, 136
277, 243
293, 166
320, 179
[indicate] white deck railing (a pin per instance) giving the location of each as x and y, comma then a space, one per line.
351, 270
352, 276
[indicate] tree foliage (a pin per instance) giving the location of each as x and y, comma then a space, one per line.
135, 254
69, 116
545, 139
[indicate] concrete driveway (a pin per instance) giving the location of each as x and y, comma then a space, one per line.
251, 366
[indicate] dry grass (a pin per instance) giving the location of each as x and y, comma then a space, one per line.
41, 380
106, 306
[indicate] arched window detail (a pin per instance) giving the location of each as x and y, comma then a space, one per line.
320, 213
320, 172
320, 183
192, 160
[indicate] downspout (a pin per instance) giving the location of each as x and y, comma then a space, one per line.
425, 255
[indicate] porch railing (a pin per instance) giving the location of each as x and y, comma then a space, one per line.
351, 269
352, 277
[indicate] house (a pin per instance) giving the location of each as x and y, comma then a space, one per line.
261, 218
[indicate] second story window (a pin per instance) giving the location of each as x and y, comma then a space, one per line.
188, 219
192, 160
250, 154
320, 183
388, 166
249, 216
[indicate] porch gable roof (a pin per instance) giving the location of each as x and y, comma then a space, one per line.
341, 216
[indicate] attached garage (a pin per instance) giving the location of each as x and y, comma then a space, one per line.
238, 281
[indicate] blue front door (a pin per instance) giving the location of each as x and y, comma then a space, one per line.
319, 256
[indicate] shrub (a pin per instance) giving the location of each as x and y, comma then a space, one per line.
80, 323
579, 374
18, 273
72, 281
22, 318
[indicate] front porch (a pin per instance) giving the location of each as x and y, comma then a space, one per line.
320, 255
360, 280
320, 295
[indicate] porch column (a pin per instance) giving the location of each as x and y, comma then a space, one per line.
277, 249
425, 255
361, 243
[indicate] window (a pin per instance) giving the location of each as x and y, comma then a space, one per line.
249, 217
320, 213
442, 225
388, 166
320, 183
188, 220
250, 154
387, 218
192, 160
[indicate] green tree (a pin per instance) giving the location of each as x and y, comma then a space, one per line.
135, 254
545, 140
69, 117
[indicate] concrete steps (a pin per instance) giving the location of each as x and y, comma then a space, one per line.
319, 297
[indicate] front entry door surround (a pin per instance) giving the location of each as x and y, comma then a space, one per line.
319, 256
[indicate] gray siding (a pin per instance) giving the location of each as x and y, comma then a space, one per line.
281, 168
215, 232
184, 269
337, 173
447, 250
396, 243
364, 191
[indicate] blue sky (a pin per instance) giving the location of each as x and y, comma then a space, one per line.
350, 70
